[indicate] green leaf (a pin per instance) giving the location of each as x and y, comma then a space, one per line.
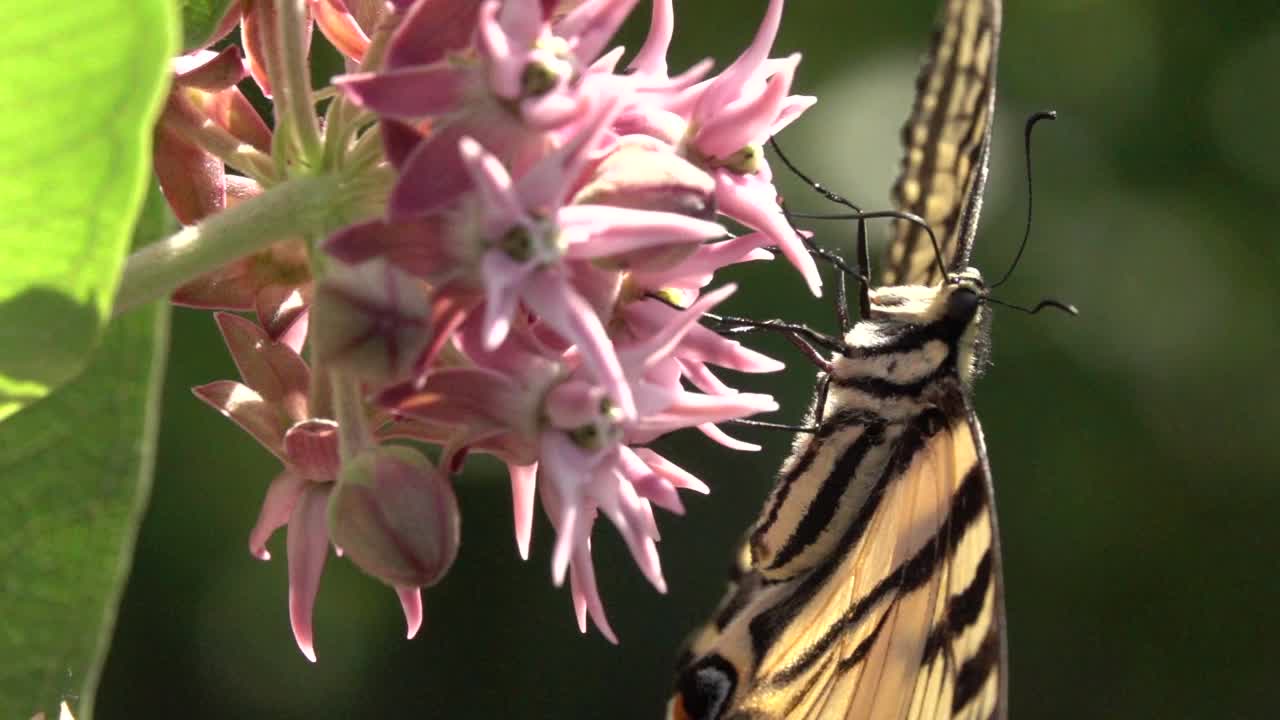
82, 84
200, 20
77, 475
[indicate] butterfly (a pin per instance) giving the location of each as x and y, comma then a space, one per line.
870, 586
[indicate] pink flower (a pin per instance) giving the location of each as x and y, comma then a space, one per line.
529, 75
273, 406
555, 428
721, 124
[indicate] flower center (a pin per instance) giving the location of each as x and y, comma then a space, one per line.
746, 161
601, 431
541, 243
552, 64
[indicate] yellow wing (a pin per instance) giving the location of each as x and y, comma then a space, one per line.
906, 620
947, 140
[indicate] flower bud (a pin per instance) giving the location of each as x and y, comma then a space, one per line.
395, 515
370, 320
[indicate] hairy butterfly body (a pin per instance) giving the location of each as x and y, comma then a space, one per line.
869, 586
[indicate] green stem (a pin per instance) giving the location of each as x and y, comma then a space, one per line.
353, 422
299, 207
293, 97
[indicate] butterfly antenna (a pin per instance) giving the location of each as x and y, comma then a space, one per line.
898, 214
1026, 137
1067, 308
817, 186
803, 337
863, 273
810, 429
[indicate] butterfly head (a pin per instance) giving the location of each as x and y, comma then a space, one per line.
919, 330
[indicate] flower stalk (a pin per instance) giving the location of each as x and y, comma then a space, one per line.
303, 206
295, 102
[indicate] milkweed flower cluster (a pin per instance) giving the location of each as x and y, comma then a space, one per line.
530, 290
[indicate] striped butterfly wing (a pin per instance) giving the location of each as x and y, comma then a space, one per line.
869, 586
947, 139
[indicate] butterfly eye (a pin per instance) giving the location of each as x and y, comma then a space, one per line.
704, 689
962, 305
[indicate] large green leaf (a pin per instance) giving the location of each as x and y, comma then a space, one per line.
82, 83
199, 21
75, 475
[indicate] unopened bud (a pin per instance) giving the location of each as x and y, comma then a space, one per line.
395, 515
370, 320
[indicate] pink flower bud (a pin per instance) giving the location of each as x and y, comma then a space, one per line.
395, 515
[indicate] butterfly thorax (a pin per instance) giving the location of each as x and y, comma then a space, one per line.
914, 357
918, 343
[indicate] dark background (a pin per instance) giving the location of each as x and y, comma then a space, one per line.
1134, 448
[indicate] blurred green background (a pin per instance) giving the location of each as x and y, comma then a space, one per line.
1134, 448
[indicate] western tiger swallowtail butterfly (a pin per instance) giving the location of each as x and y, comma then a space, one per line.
869, 587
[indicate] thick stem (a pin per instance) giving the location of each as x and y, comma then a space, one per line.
300, 207
353, 422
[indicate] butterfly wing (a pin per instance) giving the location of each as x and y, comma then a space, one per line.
903, 619
947, 139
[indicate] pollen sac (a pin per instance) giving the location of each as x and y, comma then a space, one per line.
370, 320
396, 516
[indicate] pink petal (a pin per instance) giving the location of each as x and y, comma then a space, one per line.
645, 354
562, 476
652, 57
277, 506
703, 379
616, 230
496, 47
415, 245
794, 106
272, 369
751, 200
586, 593
522, 21
193, 181
628, 514
674, 474
208, 70
504, 279
697, 269
565, 311
411, 603
308, 545
340, 28
523, 478
398, 141
431, 178
246, 408
704, 345
715, 433
282, 313
729, 84
430, 30
548, 184
744, 122
407, 93
494, 184
591, 24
